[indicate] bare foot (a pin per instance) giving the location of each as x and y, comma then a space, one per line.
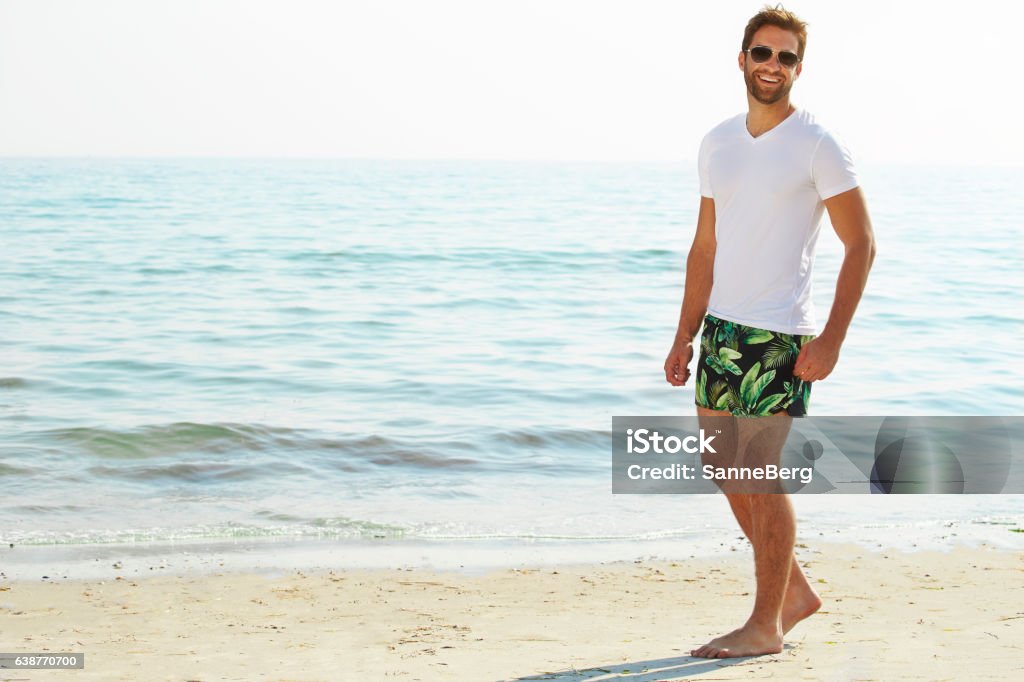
801, 601
746, 641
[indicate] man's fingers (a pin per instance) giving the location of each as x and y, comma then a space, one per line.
676, 372
801, 360
670, 370
803, 369
811, 374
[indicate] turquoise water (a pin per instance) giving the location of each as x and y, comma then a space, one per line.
361, 349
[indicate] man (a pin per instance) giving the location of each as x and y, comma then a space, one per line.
766, 178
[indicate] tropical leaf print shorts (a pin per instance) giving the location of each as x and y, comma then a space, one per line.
749, 371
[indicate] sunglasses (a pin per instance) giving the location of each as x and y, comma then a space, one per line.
760, 54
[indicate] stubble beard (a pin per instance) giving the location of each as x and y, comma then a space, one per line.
761, 94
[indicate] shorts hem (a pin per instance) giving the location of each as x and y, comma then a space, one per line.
788, 410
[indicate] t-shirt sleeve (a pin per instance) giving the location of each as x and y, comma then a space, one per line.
832, 168
704, 168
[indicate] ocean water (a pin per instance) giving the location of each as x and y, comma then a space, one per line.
433, 351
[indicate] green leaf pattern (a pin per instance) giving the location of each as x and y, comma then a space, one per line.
702, 386
727, 348
723, 362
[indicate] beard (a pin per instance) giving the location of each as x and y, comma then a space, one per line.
763, 94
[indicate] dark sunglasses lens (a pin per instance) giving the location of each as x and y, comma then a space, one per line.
788, 59
760, 54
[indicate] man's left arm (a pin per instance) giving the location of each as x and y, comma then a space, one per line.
849, 215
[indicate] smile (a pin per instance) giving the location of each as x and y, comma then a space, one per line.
768, 80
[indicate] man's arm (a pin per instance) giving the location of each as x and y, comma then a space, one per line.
699, 274
849, 215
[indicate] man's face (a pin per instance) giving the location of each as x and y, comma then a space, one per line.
770, 81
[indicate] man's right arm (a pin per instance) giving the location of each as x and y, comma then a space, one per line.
699, 276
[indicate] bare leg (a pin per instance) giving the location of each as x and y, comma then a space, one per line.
769, 523
801, 599
774, 532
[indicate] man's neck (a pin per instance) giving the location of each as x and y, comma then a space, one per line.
763, 117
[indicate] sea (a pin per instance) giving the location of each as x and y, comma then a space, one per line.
418, 362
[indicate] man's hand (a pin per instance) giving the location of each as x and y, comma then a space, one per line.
677, 370
817, 359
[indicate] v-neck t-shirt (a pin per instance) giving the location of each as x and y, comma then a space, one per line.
769, 194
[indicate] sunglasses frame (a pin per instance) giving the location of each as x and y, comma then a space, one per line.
771, 52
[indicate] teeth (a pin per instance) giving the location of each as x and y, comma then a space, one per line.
768, 80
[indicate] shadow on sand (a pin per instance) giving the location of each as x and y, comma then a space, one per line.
655, 670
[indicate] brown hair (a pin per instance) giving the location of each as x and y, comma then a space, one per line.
781, 17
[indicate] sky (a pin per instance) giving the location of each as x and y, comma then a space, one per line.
901, 82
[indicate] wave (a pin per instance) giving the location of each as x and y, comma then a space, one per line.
218, 437
219, 454
493, 258
340, 528
292, 527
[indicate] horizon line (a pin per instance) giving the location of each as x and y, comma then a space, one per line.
445, 159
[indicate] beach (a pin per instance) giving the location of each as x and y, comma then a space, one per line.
927, 615
318, 336
273, 419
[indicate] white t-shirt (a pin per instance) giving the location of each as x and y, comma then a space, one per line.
768, 193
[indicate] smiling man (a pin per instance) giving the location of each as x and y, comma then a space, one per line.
766, 178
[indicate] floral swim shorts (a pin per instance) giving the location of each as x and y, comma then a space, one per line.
749, 371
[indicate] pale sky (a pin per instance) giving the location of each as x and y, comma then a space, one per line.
903, 82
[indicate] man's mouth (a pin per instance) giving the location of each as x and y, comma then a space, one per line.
768, 79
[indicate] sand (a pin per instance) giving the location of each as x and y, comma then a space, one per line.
887, 615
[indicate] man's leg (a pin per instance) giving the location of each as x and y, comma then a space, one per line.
801, 598
769, 523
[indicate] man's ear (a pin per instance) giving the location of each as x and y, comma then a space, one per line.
741, 60
799, 70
